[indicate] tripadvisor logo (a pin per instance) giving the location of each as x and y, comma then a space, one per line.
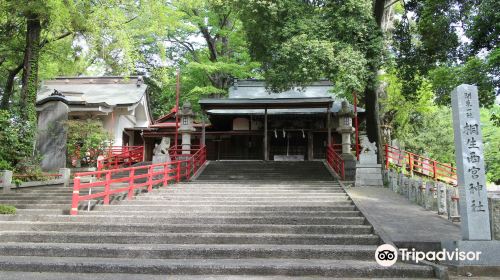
387, 255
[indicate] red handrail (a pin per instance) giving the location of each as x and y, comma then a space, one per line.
335, 161
119, 156
421, 165
114, 181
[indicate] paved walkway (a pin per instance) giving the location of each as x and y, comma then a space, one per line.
402, 222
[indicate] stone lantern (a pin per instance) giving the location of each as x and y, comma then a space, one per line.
345, 128
186, 127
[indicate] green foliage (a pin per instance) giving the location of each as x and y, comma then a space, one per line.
206, 41
86, 141
491, 138
475, 71
426, 44
7, 209
14, 149
427, 129
302, 41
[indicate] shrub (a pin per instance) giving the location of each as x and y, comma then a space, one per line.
7, 209
86, 141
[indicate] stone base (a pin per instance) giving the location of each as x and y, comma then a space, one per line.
489, 252
160, 159
349, 167
369, 175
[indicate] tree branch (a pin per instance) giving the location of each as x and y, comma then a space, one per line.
62, 36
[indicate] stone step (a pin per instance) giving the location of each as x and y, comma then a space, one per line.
265, 214
190, 251
201, 220
187, 238
328, 181
264, 266
191, 228
175, 203
190, 199
14, 275
211, 193
134, 205
239, 195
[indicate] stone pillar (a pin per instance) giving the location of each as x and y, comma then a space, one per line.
474, 208
431, 196
345, 128
494, 203
186, 128
6, 180
452, 203
51, 132
66, 174
441, 199
470, 164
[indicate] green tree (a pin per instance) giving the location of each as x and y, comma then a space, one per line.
206, 41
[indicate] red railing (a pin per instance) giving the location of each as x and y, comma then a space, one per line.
335, 161
129, 179
417, 164
119, 156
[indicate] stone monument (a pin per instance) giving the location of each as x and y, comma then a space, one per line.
345, 128
52, 134
160, 153
474, 211
368, 171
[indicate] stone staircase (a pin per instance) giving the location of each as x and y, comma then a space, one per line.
257, 221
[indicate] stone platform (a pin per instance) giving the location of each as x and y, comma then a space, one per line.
406, 224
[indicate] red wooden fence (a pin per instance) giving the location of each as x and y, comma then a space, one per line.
421, 165
115, 181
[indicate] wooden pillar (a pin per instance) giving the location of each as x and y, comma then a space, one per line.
202, 130
266, 153
329, 125
310, 145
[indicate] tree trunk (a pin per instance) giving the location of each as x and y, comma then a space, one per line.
30, 68
9, 86
371, 93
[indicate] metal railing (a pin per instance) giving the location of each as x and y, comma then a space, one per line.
417, 164
129, 179
335, 161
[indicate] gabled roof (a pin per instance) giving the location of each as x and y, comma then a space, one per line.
104, 91
248, 97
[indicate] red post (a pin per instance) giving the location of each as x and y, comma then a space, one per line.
410, 162
386, 156
150, 179
178, 171
177, 93
356, 124
434, 169
165, 174
107, 187
75, 197
131, 184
